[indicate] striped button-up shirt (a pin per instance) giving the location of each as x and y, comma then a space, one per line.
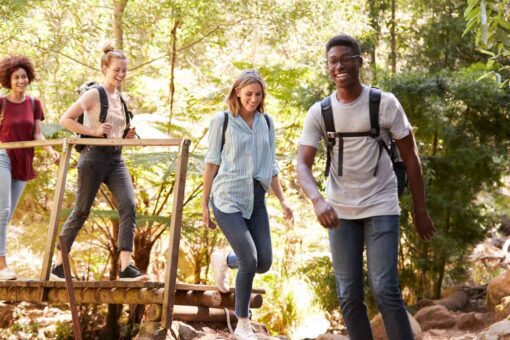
248, 154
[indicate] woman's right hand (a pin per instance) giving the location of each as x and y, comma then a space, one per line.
206, 218
103, 129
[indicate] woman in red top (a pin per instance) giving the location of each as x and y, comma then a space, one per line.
20, 120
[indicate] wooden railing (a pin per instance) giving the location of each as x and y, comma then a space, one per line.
175, 219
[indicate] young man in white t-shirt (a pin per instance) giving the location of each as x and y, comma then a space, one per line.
361, 208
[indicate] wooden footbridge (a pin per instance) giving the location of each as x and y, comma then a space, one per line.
166, 300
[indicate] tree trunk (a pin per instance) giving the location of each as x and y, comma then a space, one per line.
173, 58
374, 12
112, 329
443, 257
393, 34
118, 7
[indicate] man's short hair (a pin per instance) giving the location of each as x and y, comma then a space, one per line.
344, 40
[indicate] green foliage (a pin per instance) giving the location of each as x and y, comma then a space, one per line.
461, 124
283, 312
64, 330
321, 277
463, 148
490, 20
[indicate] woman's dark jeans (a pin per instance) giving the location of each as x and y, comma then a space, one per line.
103, 165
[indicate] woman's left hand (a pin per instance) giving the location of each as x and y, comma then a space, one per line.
55, 156
287, 212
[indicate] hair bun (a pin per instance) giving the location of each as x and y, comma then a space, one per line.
108, 47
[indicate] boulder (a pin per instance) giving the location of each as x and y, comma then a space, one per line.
436, 316
332, 337
454, 301
498, 331
498, 288
6, 316
379, 332
469, 321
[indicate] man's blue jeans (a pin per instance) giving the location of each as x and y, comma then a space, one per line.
380, 235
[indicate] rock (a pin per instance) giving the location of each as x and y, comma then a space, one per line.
498, 331
498, 288
436, 316
186, 332
6, 316
332, 337
469, 321
456, 300
485, 319
379, 332
425, 303
259, 328
151, 330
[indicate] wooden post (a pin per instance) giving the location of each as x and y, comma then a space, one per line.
175, 235
70, 289
55, 215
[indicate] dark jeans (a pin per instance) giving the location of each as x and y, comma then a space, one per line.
380, 235
96, 166
251, 241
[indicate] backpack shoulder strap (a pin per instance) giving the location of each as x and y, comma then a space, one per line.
32, 102
129, 114
2, 110
374, 99
225, 124
329, 123
267, 121
327, 114
103, 99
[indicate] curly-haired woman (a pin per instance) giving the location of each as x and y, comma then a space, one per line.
20, 120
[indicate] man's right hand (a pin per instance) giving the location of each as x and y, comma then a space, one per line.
325, 214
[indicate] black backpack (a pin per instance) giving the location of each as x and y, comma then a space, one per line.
332, 136
225, 124
103, 99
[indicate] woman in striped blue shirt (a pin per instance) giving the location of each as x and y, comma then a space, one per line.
240, 166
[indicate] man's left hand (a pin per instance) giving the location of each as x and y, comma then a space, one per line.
424, 226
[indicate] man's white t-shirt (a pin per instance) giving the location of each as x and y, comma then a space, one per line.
358, 193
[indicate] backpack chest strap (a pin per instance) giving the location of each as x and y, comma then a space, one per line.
333, 136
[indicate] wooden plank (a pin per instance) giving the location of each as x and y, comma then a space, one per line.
31, 144
106, 284
55, 215
114, 284
202, 314
125, 142
186, 286
175, 235
20, 283
70, 289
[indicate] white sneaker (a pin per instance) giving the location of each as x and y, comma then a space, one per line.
219, 263
243, 330
7, 274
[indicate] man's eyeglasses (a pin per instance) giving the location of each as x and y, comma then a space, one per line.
345, 60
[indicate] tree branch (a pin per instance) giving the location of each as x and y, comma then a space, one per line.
57, 52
